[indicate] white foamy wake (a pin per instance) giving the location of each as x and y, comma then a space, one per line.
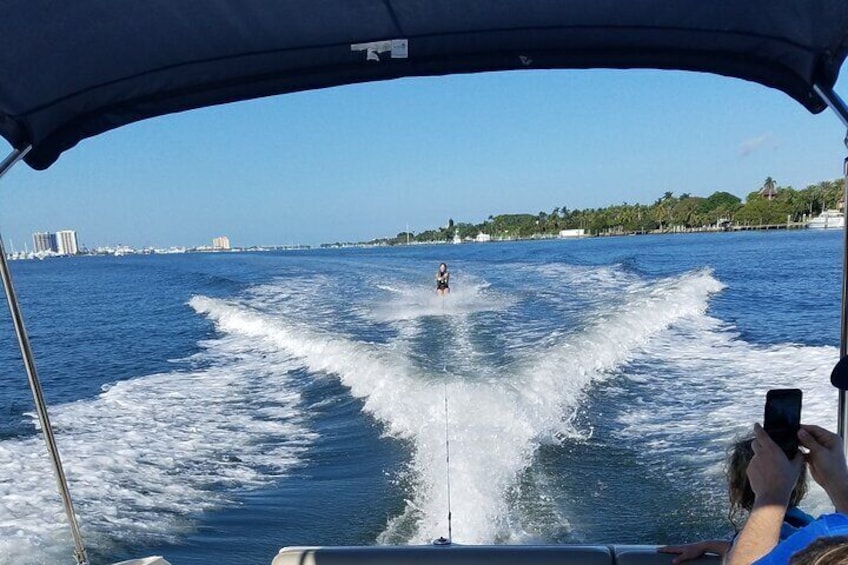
495, 424
467, 296
150, 452
594, 280
707, 387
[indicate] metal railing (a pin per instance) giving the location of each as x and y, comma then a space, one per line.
34, 384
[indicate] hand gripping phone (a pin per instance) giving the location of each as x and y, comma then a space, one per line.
783, 418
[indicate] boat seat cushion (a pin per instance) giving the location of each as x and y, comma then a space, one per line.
482, 555
647, 555
456, 554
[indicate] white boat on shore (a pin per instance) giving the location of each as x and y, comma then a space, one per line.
829, 219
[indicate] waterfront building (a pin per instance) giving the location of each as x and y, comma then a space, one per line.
564, 234
221, 243
44, 242
67, 243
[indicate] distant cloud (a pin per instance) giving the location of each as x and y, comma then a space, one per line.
753, 144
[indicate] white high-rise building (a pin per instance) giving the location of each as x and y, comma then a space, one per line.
221, 243
43, 242
66, 242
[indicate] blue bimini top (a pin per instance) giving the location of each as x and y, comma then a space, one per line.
72, 70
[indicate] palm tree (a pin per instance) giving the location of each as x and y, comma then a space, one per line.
769, 189
661, 211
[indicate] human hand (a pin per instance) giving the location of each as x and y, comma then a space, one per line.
827, 463
690, 551
772, 476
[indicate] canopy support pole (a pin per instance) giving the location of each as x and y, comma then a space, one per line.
12, 159
843, 333
839, 107
32, 375
833, 100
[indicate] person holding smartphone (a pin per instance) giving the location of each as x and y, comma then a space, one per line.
773, 476
741, 499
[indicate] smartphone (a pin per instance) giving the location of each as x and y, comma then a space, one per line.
783, 418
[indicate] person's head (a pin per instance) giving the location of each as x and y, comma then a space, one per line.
443, 268
739, 489
823, 551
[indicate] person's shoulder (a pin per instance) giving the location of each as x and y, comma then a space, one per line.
797, 517
835, 524
826, 525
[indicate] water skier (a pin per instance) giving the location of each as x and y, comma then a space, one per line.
443, 280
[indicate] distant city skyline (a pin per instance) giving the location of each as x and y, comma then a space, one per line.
364, 161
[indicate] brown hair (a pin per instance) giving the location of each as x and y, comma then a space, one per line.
823, 551
739, 489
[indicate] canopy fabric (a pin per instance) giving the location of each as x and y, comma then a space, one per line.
71, 70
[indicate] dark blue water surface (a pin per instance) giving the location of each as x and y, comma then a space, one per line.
297, 398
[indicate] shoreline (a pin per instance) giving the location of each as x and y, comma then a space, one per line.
366, 245
550, 237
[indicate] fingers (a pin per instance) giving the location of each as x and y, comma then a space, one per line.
762, 441
682, 552
809, 441
818, 434
815, 430
770, 474
675, 548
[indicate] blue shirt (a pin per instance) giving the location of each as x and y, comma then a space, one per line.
828, 525
794, 520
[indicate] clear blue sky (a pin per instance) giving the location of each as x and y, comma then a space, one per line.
364, 161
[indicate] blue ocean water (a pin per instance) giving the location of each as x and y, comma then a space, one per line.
214, 408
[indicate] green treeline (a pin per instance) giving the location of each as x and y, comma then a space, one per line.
769, 205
